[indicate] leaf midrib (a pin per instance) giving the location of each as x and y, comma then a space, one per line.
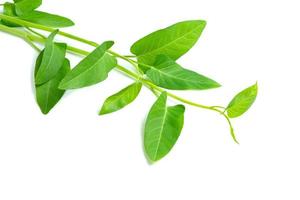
49, 60
173, 76
131, 90
161, 131
87, 69
151, 52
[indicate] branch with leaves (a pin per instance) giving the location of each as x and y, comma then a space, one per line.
155, 67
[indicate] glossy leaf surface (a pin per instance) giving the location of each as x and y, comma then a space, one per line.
242, 101
47, 19
168, 74
162, 129
53, 58
91, 70
121, 99
173, 41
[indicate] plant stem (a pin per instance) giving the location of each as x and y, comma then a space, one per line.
36, 33
40, 38
29, 41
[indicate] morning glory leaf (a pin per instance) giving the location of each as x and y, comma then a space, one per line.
26, 6
91, 70
53, 58
242, 101
121, 99
48, 94
162, 128
173, 41
47, 19
168, 74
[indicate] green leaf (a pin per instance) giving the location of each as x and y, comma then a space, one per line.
48, 94
121, 99
47, 19
173, 41
26, 6
163, 127
91, 70
168, 74
9, 10
53, 58
38, 63
242, 101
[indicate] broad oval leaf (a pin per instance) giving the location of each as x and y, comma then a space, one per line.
53, 58
173, 41
121, 99
168, 74
242, 101
47, 19
48, 94
162, 129
91, 70
26, 6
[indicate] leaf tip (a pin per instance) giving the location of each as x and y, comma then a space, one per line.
62, 85
102, 112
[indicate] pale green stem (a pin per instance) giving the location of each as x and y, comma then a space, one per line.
35, 32
29, 41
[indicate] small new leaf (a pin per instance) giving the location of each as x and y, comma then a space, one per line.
26, 6
173, 41
242, 101
162, 129
48, 94
91, 70
168, 74
121, 99
47, 19
53, 58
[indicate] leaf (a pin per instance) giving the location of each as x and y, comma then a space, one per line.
48, 94
168, 74
47, 19
121, 99
91, 70
173, 41
9, 10
242, 102
25, 6
53, 58
163, 127
38, 63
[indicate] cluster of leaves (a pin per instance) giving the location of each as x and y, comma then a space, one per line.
156, 58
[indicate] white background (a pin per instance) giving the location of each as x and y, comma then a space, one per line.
72, 153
